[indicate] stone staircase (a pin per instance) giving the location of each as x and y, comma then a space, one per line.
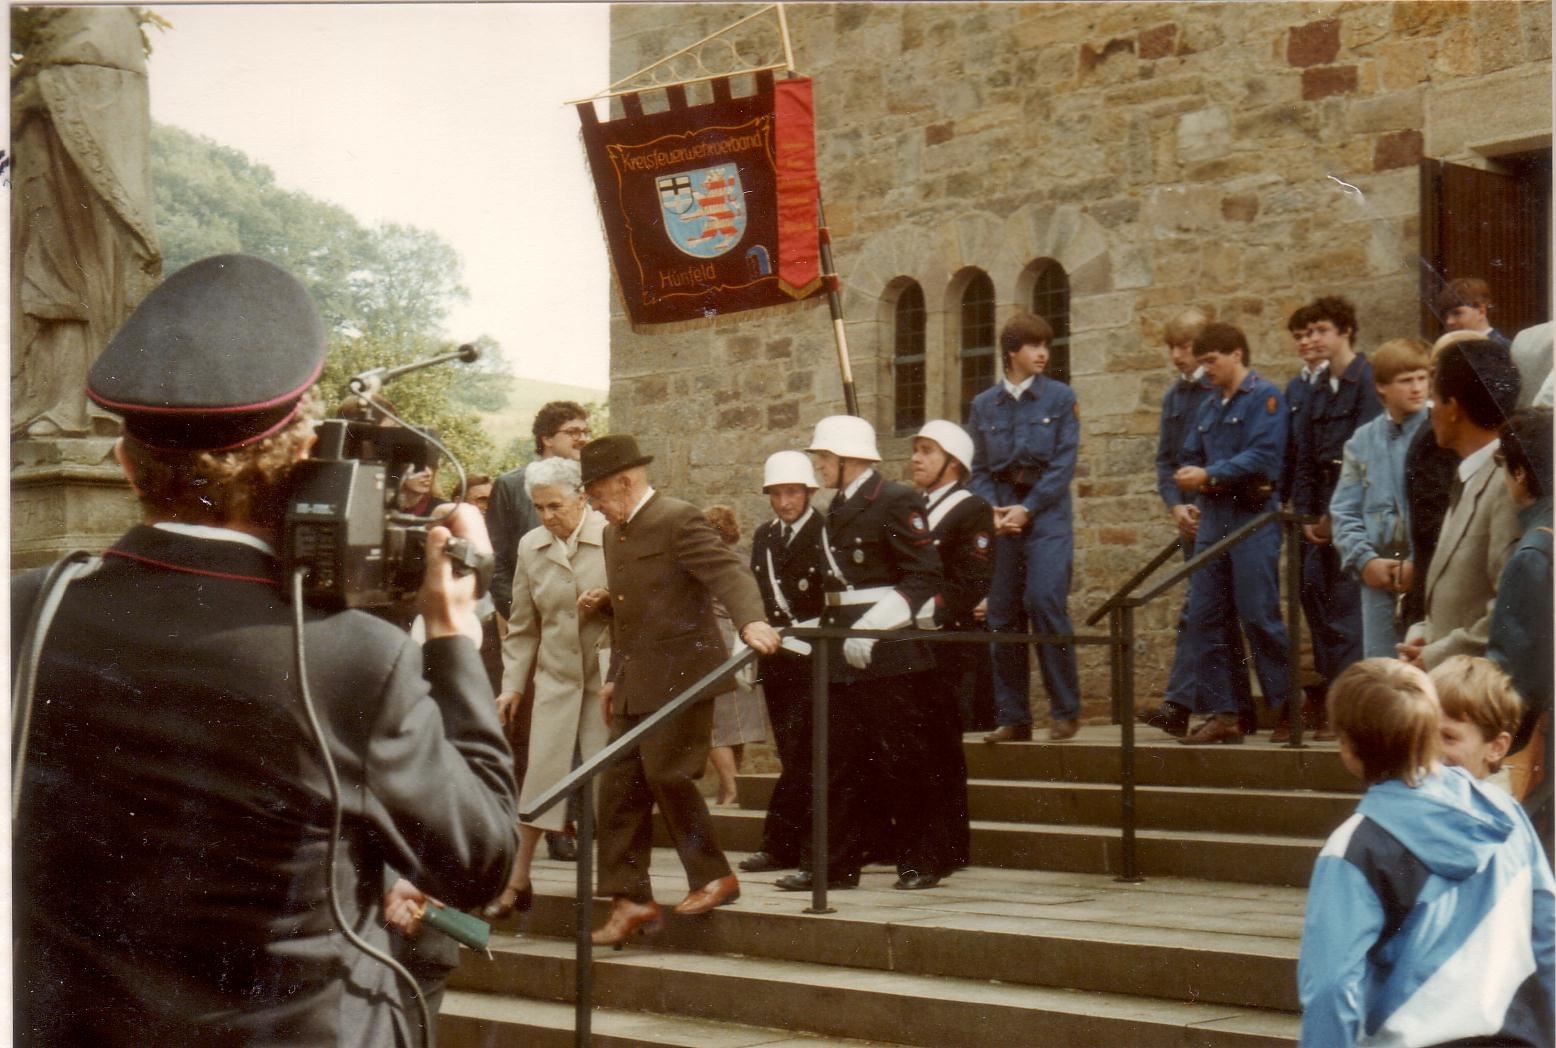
1037, 944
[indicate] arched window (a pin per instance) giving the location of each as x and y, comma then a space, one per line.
1051, 301
978, 358
908, 359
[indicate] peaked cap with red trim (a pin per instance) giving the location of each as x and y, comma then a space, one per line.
218, 356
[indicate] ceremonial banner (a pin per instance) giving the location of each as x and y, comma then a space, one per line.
709, 209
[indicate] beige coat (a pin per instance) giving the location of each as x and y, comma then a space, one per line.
548, 636
1461, 584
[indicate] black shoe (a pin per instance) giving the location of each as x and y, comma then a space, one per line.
913, 880
802, 881
762, 862
1169, 717
561, 847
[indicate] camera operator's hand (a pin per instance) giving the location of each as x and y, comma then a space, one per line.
447, 601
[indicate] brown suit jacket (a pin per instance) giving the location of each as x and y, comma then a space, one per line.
1461, 584
665, 567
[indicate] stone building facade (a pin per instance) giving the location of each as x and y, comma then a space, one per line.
1241, 157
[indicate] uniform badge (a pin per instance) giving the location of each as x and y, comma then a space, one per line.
1269, 405
917, 520
804, 585
982, 541
858, 556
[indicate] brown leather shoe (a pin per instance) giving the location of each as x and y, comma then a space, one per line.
627, 919
1220, 728
1282, 733
1010, 733
721, 892
1060, 730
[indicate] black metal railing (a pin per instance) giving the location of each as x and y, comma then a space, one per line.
1119, 609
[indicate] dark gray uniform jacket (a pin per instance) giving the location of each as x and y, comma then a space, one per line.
170, 849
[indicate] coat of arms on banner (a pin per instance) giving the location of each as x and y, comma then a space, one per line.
709, 209
704, 210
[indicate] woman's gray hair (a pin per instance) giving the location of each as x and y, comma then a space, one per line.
555, 472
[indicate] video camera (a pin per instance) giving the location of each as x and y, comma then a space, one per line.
342, 520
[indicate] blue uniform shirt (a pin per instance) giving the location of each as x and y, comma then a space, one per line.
1298, 390
1180, 407
1243, 439
1032, 440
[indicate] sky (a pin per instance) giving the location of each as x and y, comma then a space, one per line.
444, 116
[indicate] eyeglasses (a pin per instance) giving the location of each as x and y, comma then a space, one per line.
575, 432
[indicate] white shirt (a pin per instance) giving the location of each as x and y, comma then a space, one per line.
1015, 389
858, 482
799, 522
1473, 461
646, 496
210, 531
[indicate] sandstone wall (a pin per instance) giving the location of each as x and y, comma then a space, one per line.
1243, 157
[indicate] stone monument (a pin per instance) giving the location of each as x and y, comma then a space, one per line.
83, 254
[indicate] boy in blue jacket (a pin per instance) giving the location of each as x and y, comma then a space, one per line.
1429, 917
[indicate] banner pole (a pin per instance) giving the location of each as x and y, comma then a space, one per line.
788, 47
835, 304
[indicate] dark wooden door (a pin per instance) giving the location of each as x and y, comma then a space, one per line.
1489, 224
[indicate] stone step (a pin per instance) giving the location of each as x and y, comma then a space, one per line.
1249, 858
479, 1020
1170, 939
889, 1007
1310, 813
1094, 756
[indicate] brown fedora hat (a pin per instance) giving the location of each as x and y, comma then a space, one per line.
611, 454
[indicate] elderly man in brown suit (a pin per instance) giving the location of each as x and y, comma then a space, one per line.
665, 564
1476, 388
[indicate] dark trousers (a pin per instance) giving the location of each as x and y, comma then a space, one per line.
786, 830
880, 734
663, 771
1184, 678
1331, 603
944, 792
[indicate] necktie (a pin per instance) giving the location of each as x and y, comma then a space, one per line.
788, 534
1454, 491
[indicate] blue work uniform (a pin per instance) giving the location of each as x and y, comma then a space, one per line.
1024, 454
1298, 390
1367, 514
1331, 599
1180, 407
1239, 443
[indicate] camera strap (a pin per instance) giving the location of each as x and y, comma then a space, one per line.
29, 653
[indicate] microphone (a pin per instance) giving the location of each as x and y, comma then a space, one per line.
369, 382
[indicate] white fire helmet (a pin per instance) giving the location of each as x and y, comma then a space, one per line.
846, 436
953, 440
788, 467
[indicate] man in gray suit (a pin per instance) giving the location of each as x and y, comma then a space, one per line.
665, 566
1475, 387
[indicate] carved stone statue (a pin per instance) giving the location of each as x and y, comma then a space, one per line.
83, 244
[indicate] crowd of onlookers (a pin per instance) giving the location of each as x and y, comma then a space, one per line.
1420, 479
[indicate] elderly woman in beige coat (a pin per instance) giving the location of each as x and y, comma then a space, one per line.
554, 631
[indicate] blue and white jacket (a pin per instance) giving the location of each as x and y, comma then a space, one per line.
1429, 921
1367, 513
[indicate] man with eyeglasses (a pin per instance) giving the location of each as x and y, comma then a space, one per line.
561, 429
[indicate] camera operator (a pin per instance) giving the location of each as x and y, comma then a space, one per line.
175, 814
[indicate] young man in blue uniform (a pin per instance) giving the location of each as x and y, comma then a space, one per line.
1026, 432
1180, 407
1343, 399
1233, 457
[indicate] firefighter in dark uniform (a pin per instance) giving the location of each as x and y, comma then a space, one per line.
963, 527
789, 566
881, 565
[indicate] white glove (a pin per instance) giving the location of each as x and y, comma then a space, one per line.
794, 644
925, 619
889, 613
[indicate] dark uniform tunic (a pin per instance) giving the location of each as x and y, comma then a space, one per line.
878, 539
1331, 599
171, 843
790, 575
